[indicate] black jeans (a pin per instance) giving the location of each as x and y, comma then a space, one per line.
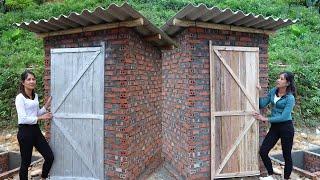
30, 136
285, 132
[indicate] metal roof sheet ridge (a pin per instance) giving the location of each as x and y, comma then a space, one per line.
152, 26
68, 16
129, 12
168, 23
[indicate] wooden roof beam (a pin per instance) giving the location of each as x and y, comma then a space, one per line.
187, 23
154, 37
167, 47
131, 23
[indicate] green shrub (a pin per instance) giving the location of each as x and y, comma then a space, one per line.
18, 4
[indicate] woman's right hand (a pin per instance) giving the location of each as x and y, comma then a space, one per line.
258, 87
48, 103
258, 116
46, 116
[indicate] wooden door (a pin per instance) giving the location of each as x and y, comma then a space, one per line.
234, 73
77, 89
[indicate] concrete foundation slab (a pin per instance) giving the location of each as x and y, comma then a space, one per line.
305, 162
10, 163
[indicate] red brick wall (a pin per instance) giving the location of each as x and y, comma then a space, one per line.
175, 116
311, 162
132, 98
136, 123
4, 162
186, 91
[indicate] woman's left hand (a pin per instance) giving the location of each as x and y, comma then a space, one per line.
258, 116
48, 103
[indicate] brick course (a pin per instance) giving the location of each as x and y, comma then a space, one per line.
311, 162
186, 91
4, 162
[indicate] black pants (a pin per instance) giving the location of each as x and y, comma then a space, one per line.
30, 136
285, 132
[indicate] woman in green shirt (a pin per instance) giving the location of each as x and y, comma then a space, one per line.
282, 100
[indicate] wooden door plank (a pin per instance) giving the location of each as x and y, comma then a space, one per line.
59, 138
212, 103
232, 113
235, 105
66, 107
78, 166
218, 82
82, 109
243, 146
252, 65
87, 105
257, 139
238, 174
226, 122
78, 116
236, 48
52, 94
73, 155
224, 137
74, 50
98, 108
89, 128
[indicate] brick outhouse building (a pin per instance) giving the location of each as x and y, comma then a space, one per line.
129, 97
209, 91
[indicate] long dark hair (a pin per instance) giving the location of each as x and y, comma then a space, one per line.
291, 88
24, 76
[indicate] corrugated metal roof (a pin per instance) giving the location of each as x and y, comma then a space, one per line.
202, 13
112, 14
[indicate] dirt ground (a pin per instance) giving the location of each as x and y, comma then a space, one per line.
303, 140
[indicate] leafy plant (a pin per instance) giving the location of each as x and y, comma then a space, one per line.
312, 2
18, 4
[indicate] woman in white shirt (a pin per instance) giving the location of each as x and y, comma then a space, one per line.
29, 134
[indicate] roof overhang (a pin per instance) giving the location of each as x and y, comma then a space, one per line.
112, 17
226, 19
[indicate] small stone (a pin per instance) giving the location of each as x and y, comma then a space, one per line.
277, 171
8, 136
304, 135
295, 176
36, 172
